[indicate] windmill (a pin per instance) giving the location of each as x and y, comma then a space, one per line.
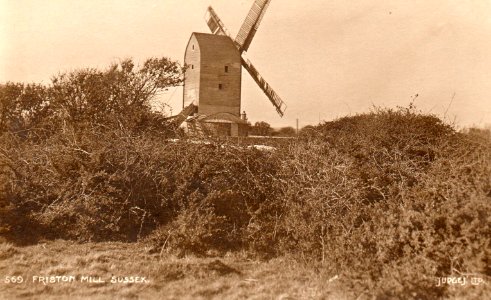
212, 81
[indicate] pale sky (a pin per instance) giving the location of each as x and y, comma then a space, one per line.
325, 58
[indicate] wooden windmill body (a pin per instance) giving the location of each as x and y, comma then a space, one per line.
212, 82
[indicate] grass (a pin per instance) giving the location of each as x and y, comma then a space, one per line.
232, 276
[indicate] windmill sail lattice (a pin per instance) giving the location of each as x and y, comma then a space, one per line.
251, 24
214, 23
273, 97
243, 41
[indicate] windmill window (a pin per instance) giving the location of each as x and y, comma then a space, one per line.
220, 86
193, 47
192, 66
226, 69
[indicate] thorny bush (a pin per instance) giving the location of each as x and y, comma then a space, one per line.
387, 200
108, 186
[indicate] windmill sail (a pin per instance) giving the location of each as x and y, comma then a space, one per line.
251, 24
176, 121
242, 42
214, 23
273, 97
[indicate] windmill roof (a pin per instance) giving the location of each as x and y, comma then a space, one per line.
212, 41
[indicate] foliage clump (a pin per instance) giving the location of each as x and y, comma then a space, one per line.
57, 140
389, 200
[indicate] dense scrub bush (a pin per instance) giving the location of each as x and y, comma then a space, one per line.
61, 165
389, 200
110, 186
219, 189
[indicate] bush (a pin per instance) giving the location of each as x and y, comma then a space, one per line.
388, 200
109, 186
67, 150
219, 190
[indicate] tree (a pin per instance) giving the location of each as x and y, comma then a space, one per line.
287, 131
261, 128
119, 95
22, 106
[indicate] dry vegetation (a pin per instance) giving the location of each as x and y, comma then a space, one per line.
372, 206
233, 276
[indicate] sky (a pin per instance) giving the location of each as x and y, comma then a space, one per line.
325, 58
